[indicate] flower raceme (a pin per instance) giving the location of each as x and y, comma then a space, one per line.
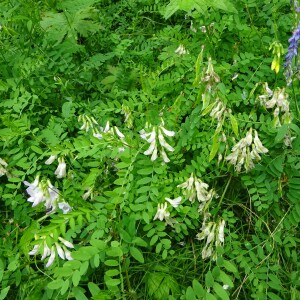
195, 188
45, 192
56, 248
246, 152
214, 234
156, 137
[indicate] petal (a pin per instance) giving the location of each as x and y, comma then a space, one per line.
35, 249
167, 132
60, 251
51, 258
50, 160
66, 243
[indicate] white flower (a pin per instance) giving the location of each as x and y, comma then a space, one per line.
60, 172
46, 252
50, 160
167, 132
66, 243
65, 207
97, 135
181, 50
118, 132
68, 254
225, 286
221, 231
51, 258
164, 156
35, 250
151, 148
162, 212
150, 137
34, 191
175, 202
3, 162
259, 147
60, 251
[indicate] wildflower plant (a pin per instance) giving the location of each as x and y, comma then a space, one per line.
150, 153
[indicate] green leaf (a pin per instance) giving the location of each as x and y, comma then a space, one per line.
137, 254
198, 289
79, 293
234, 125
219, 290
55, 284
76, 277
229, 266
94, 289
209, 279
214, 148
112, 282
4, 292
190, 295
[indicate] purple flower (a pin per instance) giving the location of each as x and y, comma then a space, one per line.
292, 52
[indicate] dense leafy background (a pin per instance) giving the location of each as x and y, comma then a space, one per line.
118, 61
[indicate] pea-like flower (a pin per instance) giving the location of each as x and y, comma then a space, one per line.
56, 248
162, 213
174, 202
61, 170
156, 139
246, 152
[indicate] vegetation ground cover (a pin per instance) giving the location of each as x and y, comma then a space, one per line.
149, 149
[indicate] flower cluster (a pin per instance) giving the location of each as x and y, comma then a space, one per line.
88, 122
279, 102
292, 52
114, 131
151, 137
57, 248
210, 76
181, 50
45, 192
3, 165
214, 234
162, 212
196, 188
61, 170
246, 151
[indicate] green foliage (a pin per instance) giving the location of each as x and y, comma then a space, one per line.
143, 155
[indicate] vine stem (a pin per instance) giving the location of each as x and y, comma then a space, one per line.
225, 190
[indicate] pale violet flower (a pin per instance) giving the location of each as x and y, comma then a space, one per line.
42, 192
174, 202
162, 213
50, 160
61, 172
65, 207
34, 191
